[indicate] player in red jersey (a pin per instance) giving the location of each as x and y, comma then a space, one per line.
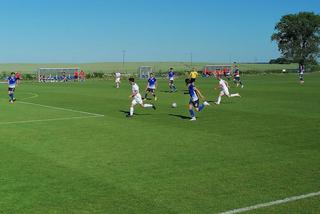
18, 78
82, 76
75, 75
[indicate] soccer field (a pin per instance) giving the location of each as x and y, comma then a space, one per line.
68, 148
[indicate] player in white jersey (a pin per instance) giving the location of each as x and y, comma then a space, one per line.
224, 90
136, 98
118, 79
301, 72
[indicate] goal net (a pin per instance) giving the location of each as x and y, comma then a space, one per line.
57, 74
144, 71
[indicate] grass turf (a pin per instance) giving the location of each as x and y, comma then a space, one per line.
259, 148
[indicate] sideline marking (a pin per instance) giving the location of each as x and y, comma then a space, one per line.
47, 120
63, 109
271, 203
90, 115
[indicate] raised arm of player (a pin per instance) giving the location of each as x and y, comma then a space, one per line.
216, 87
133, 94
227, 84
147, 85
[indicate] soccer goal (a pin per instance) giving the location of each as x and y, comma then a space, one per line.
56, 74
144, 71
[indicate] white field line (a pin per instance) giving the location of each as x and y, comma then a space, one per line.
90, 115
47, 120
34, 95
63, 109
272, 203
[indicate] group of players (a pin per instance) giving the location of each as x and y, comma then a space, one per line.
194, 93
64, 77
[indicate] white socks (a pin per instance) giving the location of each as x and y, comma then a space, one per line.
219, 100
147, 105
235, 95
131, 111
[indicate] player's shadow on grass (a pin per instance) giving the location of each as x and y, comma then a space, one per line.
127, 112
180, 116
166, 91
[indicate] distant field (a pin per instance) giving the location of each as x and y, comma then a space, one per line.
130, 67
68, 148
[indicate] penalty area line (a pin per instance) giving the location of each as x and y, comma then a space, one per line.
33, 95
47, 120
63, 109
272, 203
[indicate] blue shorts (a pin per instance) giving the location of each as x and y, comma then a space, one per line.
237, 79
150, 90
11, 89
194, 103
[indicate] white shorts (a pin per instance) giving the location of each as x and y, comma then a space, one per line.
225, 92
117, 80
137, 100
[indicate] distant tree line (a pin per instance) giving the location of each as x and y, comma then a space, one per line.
298, 38
280, 60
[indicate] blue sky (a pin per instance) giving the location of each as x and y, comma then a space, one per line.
41, 31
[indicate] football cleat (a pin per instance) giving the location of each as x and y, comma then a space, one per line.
193, 119
206, 103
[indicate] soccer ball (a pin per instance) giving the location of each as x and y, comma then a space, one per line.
174, 105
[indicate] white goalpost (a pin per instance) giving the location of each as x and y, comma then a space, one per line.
144, 71
56, 74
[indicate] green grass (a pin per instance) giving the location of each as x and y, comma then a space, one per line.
255, 149
110, 67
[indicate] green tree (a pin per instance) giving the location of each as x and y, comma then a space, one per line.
298, 37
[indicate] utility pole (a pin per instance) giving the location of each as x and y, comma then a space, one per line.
191, 56
123, 56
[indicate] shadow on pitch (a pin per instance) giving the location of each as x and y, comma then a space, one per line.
166, 91
180, 116
127, 112
170, 92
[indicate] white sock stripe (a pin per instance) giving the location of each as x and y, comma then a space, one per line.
268, 204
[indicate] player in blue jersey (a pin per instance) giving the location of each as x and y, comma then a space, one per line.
12, 81
236, 77
194, 102
151, 87
171, 75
